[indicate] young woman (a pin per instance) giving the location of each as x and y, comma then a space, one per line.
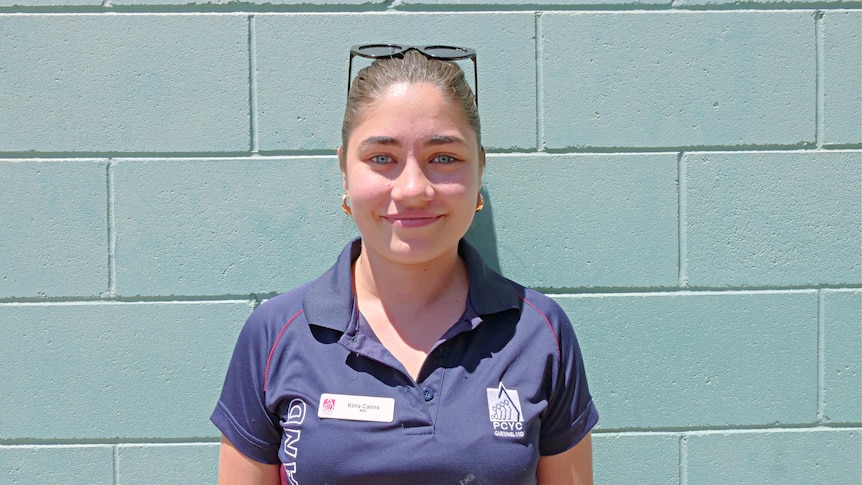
409, 361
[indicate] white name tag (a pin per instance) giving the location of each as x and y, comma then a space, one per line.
356, 408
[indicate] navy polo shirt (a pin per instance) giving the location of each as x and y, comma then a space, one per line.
311, 387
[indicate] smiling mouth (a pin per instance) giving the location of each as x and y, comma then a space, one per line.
412, 221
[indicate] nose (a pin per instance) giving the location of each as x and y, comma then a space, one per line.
412, 184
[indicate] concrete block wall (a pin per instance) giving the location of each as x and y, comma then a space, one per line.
684, 177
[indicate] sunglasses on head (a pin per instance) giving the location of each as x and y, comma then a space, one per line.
388, 51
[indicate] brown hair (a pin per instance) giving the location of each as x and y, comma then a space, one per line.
412, 67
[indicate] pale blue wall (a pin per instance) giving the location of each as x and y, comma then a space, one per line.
684, 177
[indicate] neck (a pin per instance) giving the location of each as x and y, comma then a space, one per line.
410, 307
420, 284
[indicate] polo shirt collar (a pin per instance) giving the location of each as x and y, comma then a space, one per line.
329, 300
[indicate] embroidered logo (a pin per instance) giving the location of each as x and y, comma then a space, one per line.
504, 409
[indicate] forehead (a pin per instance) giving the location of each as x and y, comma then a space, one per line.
412, 108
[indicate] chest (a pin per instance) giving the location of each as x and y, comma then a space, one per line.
473, 414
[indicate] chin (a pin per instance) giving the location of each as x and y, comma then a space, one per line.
416, 251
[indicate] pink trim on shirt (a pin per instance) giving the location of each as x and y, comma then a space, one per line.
272, 350
550, 327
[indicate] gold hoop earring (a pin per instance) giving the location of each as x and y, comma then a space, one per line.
480, 202
344, 206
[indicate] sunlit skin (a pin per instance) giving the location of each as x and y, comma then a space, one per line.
412, 170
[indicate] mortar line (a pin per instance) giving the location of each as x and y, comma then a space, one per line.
682, 201
112, 231
240, 7
15, 156
112, 444
683, 460
819, 100
821, 357
116, 454
252, 85
540, 78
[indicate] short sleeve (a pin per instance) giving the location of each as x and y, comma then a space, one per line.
241, 413
571, 413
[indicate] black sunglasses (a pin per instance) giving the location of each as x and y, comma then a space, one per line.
388, 51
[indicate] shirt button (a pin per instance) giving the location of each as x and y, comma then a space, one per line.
427, 393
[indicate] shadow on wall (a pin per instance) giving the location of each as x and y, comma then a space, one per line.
482, 234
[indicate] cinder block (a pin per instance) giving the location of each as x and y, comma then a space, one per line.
802, 457
226, 227
842, 76
124, 83
49, 465
246, 2
691, 360
636, 458
538, 3
53, 228
167, 464
555, 221
49, 3
842, 356
99, 371
773, 219
302, 71
675, 79
789, 3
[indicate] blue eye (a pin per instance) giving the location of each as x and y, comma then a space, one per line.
444, 159
381, 159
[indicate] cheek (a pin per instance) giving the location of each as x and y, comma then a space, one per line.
362, 186
458, 190
467, 181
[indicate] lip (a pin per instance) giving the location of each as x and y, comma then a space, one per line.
412, 220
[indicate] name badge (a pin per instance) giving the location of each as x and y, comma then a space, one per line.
356, 408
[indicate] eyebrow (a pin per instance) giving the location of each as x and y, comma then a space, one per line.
433, 141
379, 140
445, 140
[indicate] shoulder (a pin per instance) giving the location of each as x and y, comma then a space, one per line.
279, 307
540, 308
542, 316
327, 297
542, 304
324, 301
271, 317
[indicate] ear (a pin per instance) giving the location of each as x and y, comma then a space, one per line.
342, 165
482, 155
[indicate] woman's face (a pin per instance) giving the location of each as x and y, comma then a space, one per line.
412, 170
